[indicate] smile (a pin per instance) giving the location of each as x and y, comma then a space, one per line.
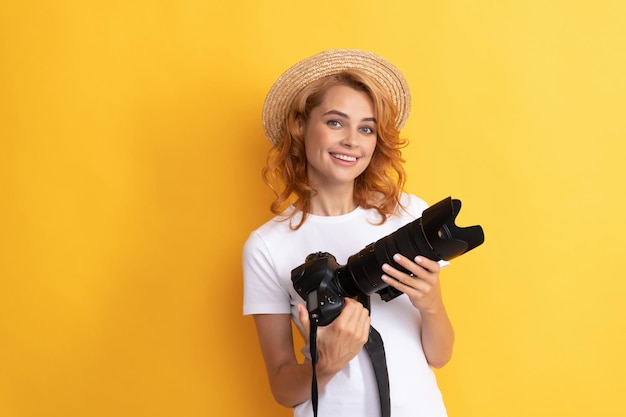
347, 158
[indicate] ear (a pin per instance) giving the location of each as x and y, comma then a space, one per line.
300, 124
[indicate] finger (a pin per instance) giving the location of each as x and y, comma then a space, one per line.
409, 283
405, 277
417, 269
363, 317
354, 311
428, 264
422, 261
355, 316
432, 269
303, 315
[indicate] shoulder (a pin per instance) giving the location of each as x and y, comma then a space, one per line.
411, 205
274, 233
274, 228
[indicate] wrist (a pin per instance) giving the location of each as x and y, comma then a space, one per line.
326, 369
433, 310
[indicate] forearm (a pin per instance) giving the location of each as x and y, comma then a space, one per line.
291, 384
437, 336
289, 380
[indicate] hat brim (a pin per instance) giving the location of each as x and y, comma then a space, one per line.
292, 81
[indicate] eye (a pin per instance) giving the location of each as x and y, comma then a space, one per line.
367, 130
334, 123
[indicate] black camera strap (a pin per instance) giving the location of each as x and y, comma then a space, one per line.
313, 347
376, 351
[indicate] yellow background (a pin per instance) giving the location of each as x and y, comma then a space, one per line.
131, 146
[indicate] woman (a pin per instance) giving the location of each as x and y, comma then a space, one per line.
334, 122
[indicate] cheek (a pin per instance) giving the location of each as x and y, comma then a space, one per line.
372, 147
316, 139
313, 144
370, 152
368, 156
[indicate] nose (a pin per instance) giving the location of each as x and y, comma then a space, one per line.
350, 139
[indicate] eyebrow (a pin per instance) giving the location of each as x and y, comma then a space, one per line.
344, 115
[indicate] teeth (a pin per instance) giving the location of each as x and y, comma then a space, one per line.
344, 157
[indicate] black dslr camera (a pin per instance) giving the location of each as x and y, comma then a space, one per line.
323, 283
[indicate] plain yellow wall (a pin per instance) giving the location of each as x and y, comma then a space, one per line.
131, 145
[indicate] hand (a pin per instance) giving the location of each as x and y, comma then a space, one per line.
340, 341
421, 285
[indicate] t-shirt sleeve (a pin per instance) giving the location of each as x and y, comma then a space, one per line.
414, 205
263, 292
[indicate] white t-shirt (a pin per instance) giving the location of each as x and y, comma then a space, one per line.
273, 250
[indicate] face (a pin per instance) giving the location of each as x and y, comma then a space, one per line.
340, 137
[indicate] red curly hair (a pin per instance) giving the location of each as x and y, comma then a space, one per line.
378, 187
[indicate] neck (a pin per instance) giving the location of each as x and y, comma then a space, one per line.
330, 203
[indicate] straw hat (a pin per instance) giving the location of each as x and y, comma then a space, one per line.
326, 63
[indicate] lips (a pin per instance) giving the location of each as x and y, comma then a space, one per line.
344, 157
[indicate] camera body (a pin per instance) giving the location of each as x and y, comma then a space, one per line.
323, 283
317, 283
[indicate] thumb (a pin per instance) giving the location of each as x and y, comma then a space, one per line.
303, 315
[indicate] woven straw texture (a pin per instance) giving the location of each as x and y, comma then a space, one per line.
292, 81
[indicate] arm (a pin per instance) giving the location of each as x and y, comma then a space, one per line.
337, 344
424, 291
